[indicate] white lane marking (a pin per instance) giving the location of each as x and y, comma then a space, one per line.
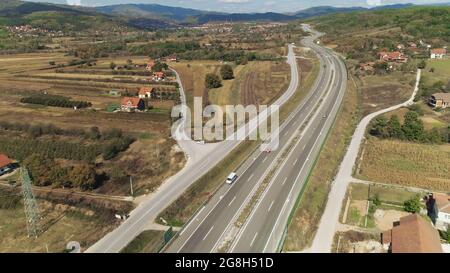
284, 181
187, 227
295, 162
254, 238
251, 176
208, 233
270, 207
265, 158
232, 201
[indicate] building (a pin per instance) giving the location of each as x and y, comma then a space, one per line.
440, 100
150, 65
159, 76
6, 164
438, 53
438, 207
172, 58
146, 92
412, 234
395, 56
132, 104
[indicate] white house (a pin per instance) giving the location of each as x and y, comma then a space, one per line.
438, 206
438, 53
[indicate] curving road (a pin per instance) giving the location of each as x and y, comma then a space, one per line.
201, 159
264, 228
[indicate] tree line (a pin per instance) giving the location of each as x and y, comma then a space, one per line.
412, 129
56, 101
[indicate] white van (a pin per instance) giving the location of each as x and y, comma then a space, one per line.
232, 178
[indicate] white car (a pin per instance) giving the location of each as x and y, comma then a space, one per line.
231, 178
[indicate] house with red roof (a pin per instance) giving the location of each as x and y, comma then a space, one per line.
395, 56
159, 76
5, 164
412, 234
438, 53
146, 92
130, 104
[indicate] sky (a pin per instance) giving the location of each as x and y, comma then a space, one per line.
247, 5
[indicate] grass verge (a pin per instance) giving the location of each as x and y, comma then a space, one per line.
149, 241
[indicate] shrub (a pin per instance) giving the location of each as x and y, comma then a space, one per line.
212, 81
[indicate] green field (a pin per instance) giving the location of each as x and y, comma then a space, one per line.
441, 70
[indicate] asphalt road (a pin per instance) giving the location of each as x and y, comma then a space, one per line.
263, 230
324, 237
201, 160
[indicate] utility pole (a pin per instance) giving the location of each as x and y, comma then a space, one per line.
131, 186
30, 204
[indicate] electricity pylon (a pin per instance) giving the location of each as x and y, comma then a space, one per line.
30, 204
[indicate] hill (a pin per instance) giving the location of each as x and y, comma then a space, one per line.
153, 11
422, 22
55, 17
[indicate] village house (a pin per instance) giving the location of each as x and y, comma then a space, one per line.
412, 234
130, 104
6, 164
440, 100
172, 58
158, 76
438, 53
395, 56
438, 207
150, 65
146, 92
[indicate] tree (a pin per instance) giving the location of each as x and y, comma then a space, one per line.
159, 66
83, 176
412, 205
394, 128
422, 64
226, 71
39, 167
212, 81
379, 127
413, 128
94, 133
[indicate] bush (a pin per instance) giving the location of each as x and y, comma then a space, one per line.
226, 71
212, 81
412, 205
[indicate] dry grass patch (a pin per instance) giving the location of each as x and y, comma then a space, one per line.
407, 164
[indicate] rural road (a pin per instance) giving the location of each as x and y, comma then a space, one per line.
200, 161
263, 231
324, 237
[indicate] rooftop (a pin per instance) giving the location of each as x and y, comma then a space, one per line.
413, 235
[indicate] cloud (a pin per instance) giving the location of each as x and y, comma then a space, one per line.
74, 2
234, 1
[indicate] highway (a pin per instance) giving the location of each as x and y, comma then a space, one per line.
263, 230
201, 159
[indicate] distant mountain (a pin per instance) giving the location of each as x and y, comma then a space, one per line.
395, 6
55, 17
239, 17
324, 10
152, 11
